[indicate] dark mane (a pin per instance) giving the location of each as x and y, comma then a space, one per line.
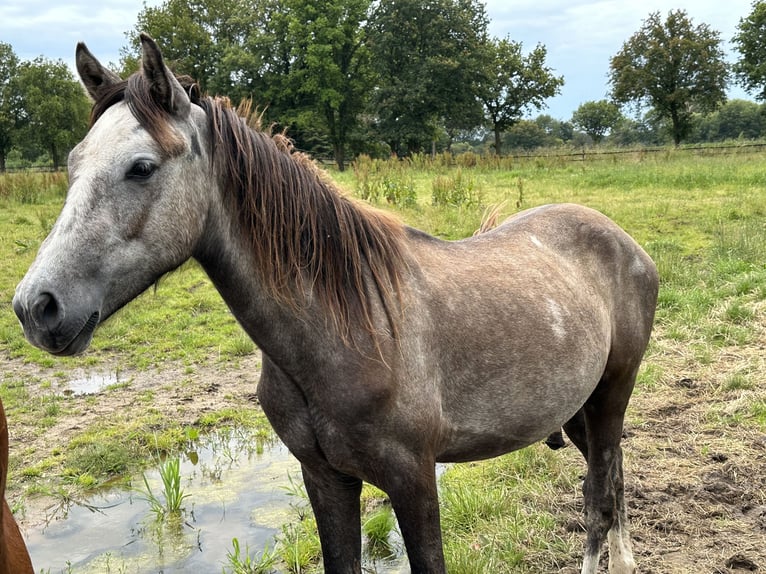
309, 239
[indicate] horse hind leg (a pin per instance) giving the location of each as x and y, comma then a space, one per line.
605, 511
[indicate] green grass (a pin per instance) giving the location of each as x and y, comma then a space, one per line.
501, 515
239, 561
168, 505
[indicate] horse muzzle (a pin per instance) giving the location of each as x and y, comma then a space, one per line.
50, 324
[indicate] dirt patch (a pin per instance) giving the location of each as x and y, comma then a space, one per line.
695, 467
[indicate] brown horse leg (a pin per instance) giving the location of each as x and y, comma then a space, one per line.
414, 498
14, 558
605, 511
335, 500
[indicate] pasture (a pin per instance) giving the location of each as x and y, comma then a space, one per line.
695, 437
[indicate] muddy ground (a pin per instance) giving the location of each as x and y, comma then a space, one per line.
695, 485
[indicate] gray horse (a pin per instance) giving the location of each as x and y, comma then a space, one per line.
385, 350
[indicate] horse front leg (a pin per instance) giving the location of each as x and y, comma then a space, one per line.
335, 500
415, 501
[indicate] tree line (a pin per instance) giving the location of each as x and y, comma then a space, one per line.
380, 77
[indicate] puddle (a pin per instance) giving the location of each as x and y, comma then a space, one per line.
89, 384
236, 489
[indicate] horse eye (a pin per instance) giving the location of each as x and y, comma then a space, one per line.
140, 170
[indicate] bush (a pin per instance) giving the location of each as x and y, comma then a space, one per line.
454, 191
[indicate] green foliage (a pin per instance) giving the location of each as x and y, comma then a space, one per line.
377, 528
378, 180
597, 118
241, 562
527, 135
33, 188
425, 72
499, 515
8, 100
673, 67
511, 83
205, 39
456, 190
298, 543
330, 63
750, 41
55, 108
735, 119
98, 459
43, 109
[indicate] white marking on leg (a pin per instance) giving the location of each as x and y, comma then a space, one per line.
620, 551
590, 563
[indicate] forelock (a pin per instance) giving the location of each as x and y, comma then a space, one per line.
136, 93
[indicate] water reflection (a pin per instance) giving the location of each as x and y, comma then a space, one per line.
236, 487
90, 383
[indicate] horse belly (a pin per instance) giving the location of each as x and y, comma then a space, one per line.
475, 443
490, 418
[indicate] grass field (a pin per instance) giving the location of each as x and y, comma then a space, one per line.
695, 451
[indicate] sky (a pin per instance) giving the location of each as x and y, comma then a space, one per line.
580, 35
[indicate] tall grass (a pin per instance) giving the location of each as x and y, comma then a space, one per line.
33, 187
239, 561
168, 504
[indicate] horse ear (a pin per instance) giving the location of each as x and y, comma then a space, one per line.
164, 86
95, 77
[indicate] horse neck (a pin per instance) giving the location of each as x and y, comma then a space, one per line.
226, 256
293, 241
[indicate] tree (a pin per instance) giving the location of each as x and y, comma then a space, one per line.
8, 100
53, 107
646, 130
528, 135
735, 119
750, 41
305, 64
511, 83
596, 118
673, 67
561, 131
329, 63
204, 39
424, 54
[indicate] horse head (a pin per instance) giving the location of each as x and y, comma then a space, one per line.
134, 210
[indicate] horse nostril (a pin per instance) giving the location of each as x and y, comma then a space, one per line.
45, 311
